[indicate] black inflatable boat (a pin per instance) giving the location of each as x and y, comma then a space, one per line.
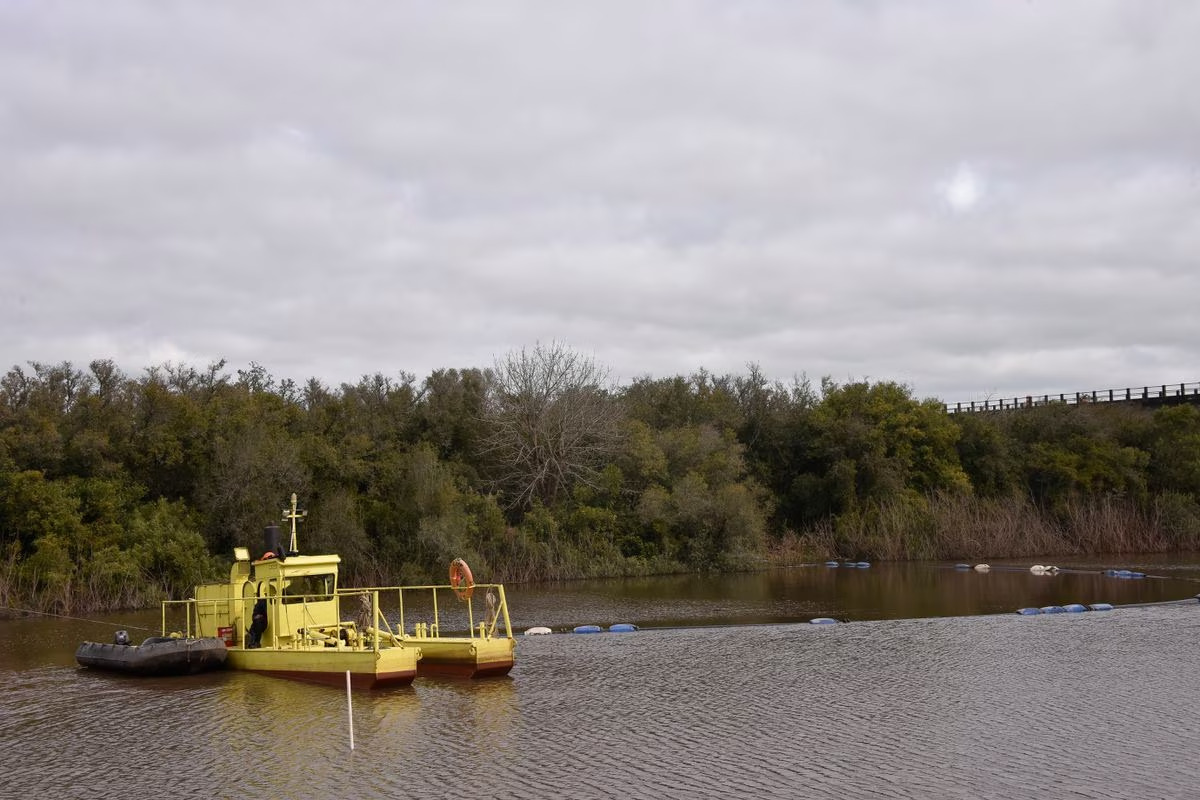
157, 655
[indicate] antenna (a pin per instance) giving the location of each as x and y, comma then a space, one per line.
293, 515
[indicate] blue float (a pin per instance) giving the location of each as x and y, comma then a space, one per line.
962, 566
1101, 607
623, 627
863, 564
1123, 573
831, 563
1137, 574
587, 629
1053, 610
1074, 608
1028, 612
823, 621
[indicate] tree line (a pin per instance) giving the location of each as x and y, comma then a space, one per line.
118, 490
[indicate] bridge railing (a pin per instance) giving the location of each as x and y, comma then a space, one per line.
1167, 392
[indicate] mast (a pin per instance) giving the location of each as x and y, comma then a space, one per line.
293, 515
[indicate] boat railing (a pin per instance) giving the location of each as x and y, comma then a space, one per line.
495, 610
411, 601
191, 608
190, 613
370, 629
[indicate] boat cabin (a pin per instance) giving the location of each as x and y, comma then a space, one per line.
269, 601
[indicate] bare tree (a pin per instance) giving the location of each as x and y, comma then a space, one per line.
553, 423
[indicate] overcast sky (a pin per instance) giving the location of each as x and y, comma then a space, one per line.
976, 199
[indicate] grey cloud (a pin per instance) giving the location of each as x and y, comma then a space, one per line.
409, 186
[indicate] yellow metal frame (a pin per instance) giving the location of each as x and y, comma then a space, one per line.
379, 630
433, 630
485, 629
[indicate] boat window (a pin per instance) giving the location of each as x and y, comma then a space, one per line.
308, 588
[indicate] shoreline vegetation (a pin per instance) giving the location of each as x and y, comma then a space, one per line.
118, 491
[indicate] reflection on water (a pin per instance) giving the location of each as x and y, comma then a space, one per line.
887, 591
1094, 705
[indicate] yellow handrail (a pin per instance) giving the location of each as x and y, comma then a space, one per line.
434, 628
224, 607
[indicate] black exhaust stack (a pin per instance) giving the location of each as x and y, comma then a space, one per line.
271, 542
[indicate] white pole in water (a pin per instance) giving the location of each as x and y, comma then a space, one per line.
350, 709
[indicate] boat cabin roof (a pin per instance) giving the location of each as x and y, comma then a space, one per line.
295, 565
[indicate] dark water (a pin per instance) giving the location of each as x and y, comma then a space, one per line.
700, 703
888, 591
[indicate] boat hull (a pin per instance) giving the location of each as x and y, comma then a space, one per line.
160, 656
464, 657
369, 669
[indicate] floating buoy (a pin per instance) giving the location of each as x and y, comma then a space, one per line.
863, 564
982, 567
1137, 574
1101, 607
623, 627
823, 621
540, 630
831, 563
1028, 612
962, 566
1053, 610
1074, 608
1037, 569
587, 629
1123, 573
1051, 569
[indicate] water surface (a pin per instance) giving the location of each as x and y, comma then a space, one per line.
700, 703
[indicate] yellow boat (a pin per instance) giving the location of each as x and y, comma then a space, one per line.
282, 615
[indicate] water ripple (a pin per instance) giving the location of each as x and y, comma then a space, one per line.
1096, 706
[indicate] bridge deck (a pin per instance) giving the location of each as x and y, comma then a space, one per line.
1166, 394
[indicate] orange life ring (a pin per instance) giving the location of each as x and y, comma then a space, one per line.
461, 580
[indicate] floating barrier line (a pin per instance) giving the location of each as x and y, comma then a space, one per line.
1073, 571
1075, 608
77, 619
1185, 602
